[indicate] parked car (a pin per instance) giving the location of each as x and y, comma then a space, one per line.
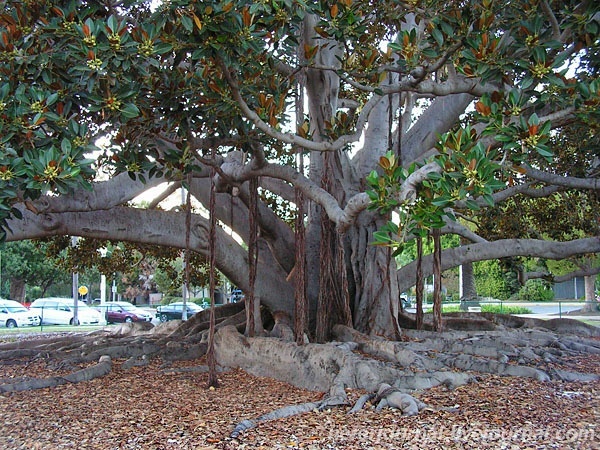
405, 302
59, 311
123, 312
13, 314
236, 296
175, 311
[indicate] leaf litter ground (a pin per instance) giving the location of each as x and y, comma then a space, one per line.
157, 407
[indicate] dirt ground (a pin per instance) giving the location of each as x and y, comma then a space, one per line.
157, 407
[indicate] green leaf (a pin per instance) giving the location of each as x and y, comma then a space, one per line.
51, 99
438, 36
187, 23
471, 204
534, 119
162, 48
398, 251
447, 28
113, 24
441, 202
395, 47
373, 178
65, 146
488, 199
526, 83
130, 111
544, 152
382, 238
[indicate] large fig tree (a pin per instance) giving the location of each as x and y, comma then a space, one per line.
436, 110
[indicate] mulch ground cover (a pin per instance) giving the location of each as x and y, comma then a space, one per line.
158, 407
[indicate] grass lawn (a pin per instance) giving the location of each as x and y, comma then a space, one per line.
504, 309
49, 329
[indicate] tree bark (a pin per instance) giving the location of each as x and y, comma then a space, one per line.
376, 293
17, 289
591, 303
437, 282
469, 291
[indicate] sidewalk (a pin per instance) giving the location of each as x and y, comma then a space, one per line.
585, 317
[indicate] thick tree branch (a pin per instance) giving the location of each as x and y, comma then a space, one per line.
105, 195
294, 139
560, 180
561, 278
170, 189
499, 249
452, 227
504, 194
552, 19
437, 119
159, 228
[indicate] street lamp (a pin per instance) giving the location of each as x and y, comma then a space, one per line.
74, 240
102, 252
184, 291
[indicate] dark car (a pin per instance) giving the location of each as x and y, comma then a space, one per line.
124, 312
236, 296
175, 311
405, 302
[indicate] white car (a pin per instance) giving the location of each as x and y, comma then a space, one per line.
59, 311
13, 314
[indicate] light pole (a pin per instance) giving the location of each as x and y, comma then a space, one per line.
102, 252
184, 290
75, 287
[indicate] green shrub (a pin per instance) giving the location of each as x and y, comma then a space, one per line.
491, 280
496, 309
535, 290
501, 309
169, 299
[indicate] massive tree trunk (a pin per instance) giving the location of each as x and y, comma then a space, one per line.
376, 299
364, 280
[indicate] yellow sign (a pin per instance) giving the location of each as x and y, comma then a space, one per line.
83, 290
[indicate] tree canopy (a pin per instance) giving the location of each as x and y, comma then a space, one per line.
448, 113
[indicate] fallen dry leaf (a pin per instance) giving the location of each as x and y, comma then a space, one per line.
155, 408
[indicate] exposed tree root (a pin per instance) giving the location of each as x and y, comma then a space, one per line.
464, 321
280, 413
230, 313
135, 343
390, 372
103, 367
424, 360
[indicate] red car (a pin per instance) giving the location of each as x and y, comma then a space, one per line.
124, 312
